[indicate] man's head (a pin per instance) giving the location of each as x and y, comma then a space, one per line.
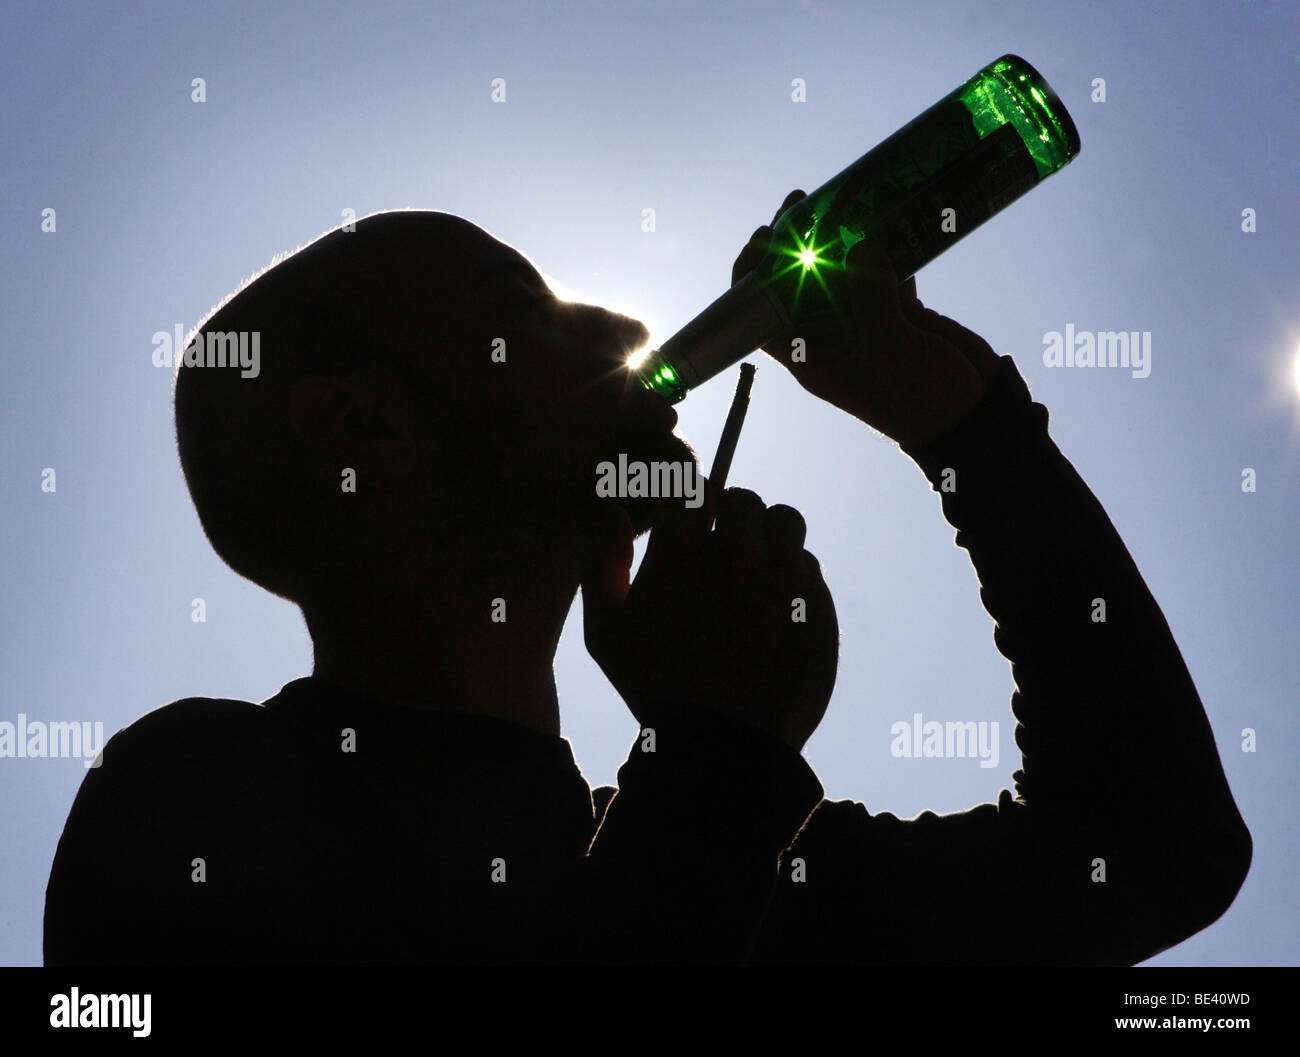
423, 405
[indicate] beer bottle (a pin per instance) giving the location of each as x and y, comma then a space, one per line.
929, 184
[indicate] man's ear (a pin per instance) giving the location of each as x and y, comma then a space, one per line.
359, 423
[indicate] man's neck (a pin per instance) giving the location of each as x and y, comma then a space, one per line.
489, 660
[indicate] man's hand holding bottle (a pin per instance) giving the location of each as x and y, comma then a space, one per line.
896, 365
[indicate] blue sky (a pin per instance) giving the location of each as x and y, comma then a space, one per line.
164, 205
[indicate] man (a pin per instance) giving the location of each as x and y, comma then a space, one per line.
413, 464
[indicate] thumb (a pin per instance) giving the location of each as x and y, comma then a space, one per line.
606, 568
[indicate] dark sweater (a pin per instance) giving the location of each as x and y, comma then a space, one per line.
449, 838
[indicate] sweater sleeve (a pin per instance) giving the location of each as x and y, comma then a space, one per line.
1122, 839
686, 856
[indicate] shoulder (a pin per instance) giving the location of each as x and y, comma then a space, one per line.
186, 744
173, 785
184, 729
195, 715
193, 767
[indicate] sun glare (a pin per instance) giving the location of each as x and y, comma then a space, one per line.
637, 358
1295, 370
566, 292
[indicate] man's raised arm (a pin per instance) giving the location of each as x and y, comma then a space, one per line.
1124, 838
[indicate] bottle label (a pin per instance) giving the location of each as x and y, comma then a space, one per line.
901, 166
980, 183
901, 192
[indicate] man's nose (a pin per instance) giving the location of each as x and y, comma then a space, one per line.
638, 334
611, 334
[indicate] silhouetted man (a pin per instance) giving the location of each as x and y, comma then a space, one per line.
412, 462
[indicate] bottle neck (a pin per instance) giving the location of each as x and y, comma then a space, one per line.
743, 319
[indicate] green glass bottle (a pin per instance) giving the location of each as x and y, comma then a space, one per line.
929, 184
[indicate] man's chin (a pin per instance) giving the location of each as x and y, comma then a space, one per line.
655, 450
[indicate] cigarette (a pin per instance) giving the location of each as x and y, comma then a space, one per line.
731, 429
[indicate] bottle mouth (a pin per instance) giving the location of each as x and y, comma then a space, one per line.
1039, 99
658, 376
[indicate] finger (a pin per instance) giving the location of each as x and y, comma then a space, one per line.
784, 529
740, 518
751, 254
831, 346
790, 199
814, 566
913, 307
970, 344
875, 298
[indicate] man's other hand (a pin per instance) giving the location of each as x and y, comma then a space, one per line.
737, 619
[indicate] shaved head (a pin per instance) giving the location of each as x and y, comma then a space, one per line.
420, 393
